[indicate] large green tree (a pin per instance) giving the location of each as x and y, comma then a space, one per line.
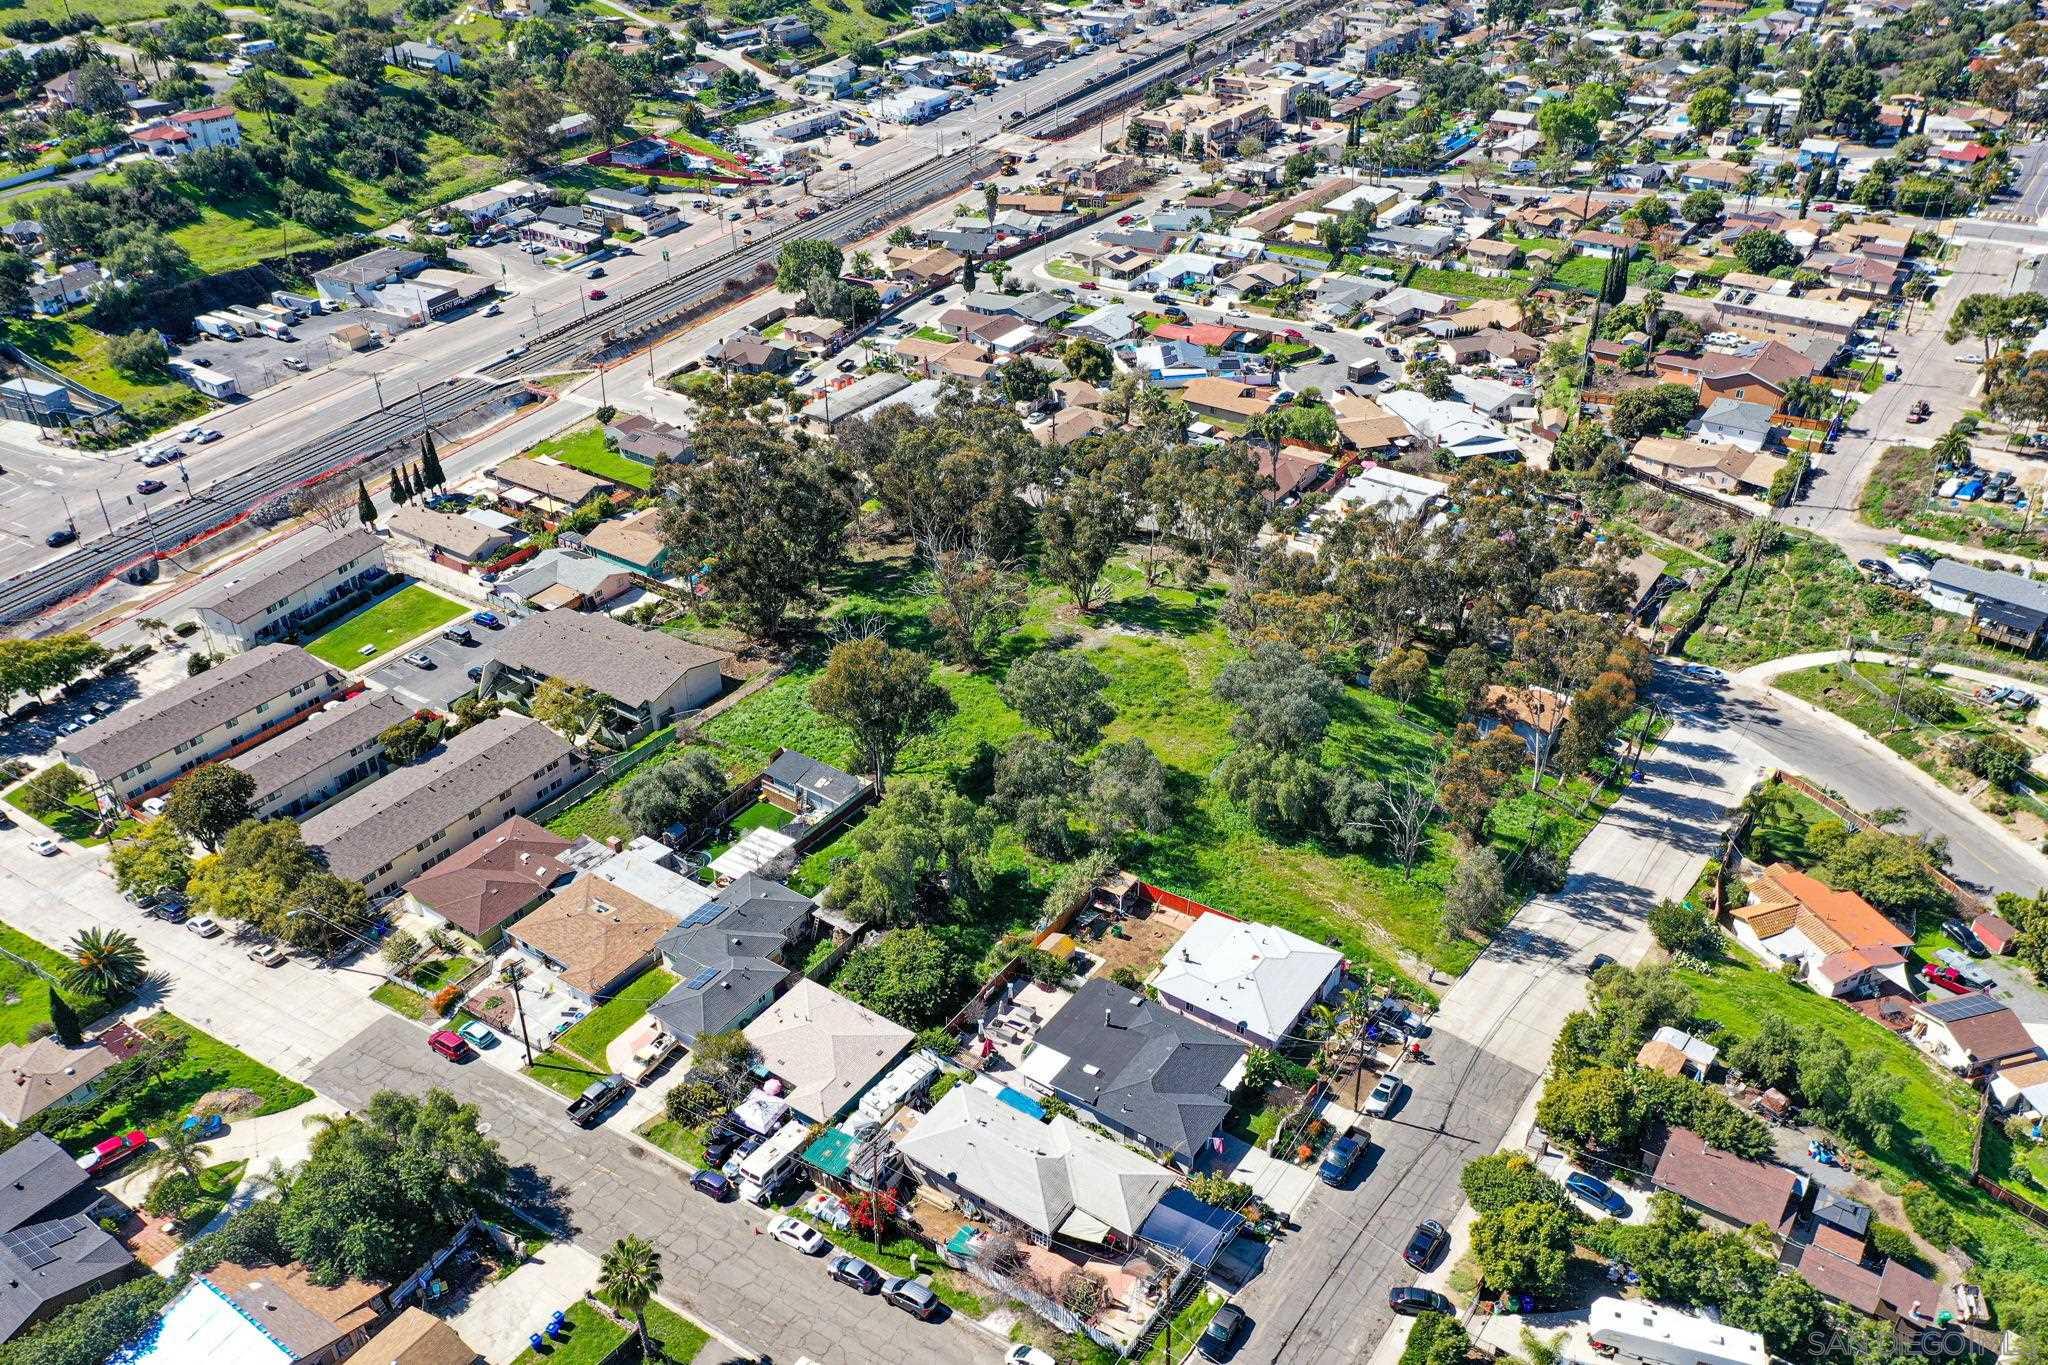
209, 801
921, 854
156, 857
1060, 692
910, 975
1283, 699
680, 791
883, 695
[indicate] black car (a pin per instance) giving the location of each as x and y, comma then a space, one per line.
1965, 937
589, 1106
1408, 1300
854, 1273
1916, 557
1224, 1330
1426, 1245
1339, 1159
63, 535
1599, 960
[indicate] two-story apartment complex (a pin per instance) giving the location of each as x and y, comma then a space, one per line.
389, 832
651, 677
143, 748
312, 573
310, 764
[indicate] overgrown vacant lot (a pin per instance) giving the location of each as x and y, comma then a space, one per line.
1161, 649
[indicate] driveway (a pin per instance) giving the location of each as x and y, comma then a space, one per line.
286, 1017
605, 1186
1323, 1295
439, 686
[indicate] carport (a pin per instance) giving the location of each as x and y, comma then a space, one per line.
1190, 1229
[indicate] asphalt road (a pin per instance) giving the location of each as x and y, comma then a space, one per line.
714, 1261
1323, 1295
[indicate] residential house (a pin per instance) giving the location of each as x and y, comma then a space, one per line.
733, 953
1491, 346
1412, 243
648, 440
633, 542
1971, 1034
1761, 373
1724, 176
274, 1314
1038, 307
1292, 469
417, 1337
1842, 944
1724, 469
1143, 1070
1733, 422
1735, 1192
1888, 1290
2008, 607
61, 92
414, 56
493, 880
46, 1073
1458, 428
47, 1266
593, 936
1054, 1181
805, 787
311, 576
542, 486
147, 745
1486, 257
1260, 277
1604, 246
194, 130
651, 677
819, 336
1253, 982
71, 286
409, 820
564, 578
1225, 399
40, 1181
824, 1048
748, 352
2021, 1088
831, 80
1536, 715
462, 538
1365, 426
1674, 1052
309, 765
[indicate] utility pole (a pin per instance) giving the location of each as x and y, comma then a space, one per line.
513, 973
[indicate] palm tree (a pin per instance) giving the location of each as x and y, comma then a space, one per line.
627, 1279
105, 962
180, 1150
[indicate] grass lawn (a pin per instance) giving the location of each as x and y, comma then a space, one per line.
208, 1065
78, 820
595, 1032
1582, 272
432, 976
384, 625
681, 1142
562, 1073
761, 815
216, 1186
1465, 284
1066, 270
675, 1337
895, 1257
1784, 815
25, 995
402, 1000
589, 1338
1188, 1325
931, 333
584, 448
80, 354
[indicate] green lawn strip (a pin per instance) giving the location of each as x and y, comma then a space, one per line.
893, 1257
216, 1187
387, 623
401, 1000
25, 994
585, 449
590, 1339
208, 1065
683, 1143
675, 1337
1466, 284
1066, 270
562, 1073
595, 1032
77, 820
1188, 1325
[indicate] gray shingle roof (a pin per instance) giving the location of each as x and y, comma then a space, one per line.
371, 828
827, 785
314, 555
459, 535
1141, 1066
277, 763
1991, 585
624, 662
728, 947
156, 725
35, 1174
43, 1264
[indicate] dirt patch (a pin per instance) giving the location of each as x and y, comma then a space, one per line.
228, 1102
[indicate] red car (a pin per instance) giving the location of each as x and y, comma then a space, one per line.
1090, 284
1948, 978
113, 1152
1125, 221
596, 294
449, 1044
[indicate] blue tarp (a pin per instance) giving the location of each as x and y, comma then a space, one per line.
1022, 1103
1188, 1227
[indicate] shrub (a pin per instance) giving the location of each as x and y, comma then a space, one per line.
1435, 1340
1681, 929
173, 1193
1930, 1217
1221, 1191
1894, 1244
446, 999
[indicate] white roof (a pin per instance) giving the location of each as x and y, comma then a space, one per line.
1255, 974
642, 869
756, 849
1459, 427
826, 1048
1041, 1174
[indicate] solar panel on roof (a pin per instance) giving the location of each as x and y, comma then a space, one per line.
701, 979
702, 915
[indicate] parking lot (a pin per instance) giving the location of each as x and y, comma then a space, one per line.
258, 362
448, 679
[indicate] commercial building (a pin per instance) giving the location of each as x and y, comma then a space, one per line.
454, 536
355, 281
311, 764
144, 747
312, 574
397, 827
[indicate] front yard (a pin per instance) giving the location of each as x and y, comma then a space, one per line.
384, 625
585, 448
157, 1104
595, 1032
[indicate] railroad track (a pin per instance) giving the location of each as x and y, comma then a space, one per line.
641, 313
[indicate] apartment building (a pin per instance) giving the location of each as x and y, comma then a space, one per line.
311, 574
310, 764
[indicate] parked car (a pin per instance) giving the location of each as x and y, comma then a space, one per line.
1384, 1095
1598, 961
478, 1034
1948, 978
204, 1125
488, 620
205, 926
712, 1184
292, 362
1027, 1355
148, 486
1916, 557
43, 848
1339, 1159
1217, 1342
113, 1151
1596, 1192
1426, 1244
854, 1273
458, 635
912, 1296
589, 1106
795, 1232
475, 673
597, 272
266, 955
449, 1044
1965, 968
63, 535
1965, 937
206, 436
1408, 1300
420, 659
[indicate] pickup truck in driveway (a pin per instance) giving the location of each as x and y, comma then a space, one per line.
588, 1107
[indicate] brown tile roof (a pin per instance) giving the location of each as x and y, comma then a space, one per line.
492, 878
306, 1317
1226, 395
417, 1337
636, 538
1071, 424
1901, 1287
1659, 1056
1840, 1278
1742, 1192
1849, 920
1290, 469
596, 930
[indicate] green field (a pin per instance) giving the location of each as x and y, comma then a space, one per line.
209, 1064
384, 625
597, 1030
584, 448
25, 995
80, 354
78, 820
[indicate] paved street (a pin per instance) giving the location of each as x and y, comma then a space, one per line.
717, 1266
1323, 1295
